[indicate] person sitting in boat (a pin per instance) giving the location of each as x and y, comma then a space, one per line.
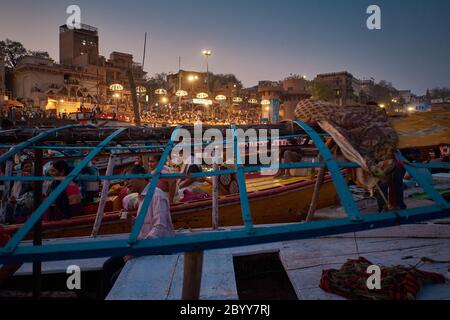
291, 156
20, 204
191, 189
157, 223
68, 204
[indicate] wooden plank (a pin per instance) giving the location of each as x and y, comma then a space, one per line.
145, 278
219, 280
300, 254
305, 260
54, 267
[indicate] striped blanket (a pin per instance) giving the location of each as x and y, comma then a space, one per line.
362, 132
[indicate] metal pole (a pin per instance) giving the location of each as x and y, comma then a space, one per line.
179, 84
37, 234
145, 50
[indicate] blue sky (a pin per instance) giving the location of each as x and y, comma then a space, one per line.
257, 39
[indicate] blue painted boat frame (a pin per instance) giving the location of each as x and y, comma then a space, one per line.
14, 252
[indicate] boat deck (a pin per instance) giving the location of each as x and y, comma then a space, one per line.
161, 277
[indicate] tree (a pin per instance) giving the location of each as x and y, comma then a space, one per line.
384, 92
158, 81
320, 90
40, 54
440, 93
14, 51
428, 95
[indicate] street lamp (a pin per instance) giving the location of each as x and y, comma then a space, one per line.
207, 53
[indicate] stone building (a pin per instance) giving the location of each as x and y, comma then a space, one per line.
279, 99
345, 86
83, 77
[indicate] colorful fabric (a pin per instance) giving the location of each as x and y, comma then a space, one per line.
397, 283
363, 134
67, 204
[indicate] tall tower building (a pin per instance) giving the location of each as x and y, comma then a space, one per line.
78, 47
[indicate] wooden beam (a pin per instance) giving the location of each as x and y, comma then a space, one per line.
192, 278
37, 233
137, 113
103, 197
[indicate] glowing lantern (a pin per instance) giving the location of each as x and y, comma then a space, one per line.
161, 91
237, 100
181, 93
116, 87
265, 102
221, 98
141, 90
253, 101
202, 95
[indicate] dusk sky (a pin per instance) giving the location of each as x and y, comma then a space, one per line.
256, 39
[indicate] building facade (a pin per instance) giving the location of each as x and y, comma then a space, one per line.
78, 46
345, 86
82, 78
279, 99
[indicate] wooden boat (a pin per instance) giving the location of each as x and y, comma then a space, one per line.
272, 200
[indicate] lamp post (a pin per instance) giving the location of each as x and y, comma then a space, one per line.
207, 54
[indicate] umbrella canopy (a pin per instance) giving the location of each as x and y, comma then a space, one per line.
12, 103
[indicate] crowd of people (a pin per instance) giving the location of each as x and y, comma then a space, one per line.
196, 117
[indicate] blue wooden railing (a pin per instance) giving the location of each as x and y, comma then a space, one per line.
17, 251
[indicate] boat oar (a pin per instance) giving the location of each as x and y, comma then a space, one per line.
103, 197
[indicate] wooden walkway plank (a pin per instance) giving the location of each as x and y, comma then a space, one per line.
145, 278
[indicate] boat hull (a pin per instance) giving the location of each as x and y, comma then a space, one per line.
285, 204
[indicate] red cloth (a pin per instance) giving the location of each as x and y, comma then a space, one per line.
397, 283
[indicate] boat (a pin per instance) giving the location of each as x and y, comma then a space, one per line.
272, 200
